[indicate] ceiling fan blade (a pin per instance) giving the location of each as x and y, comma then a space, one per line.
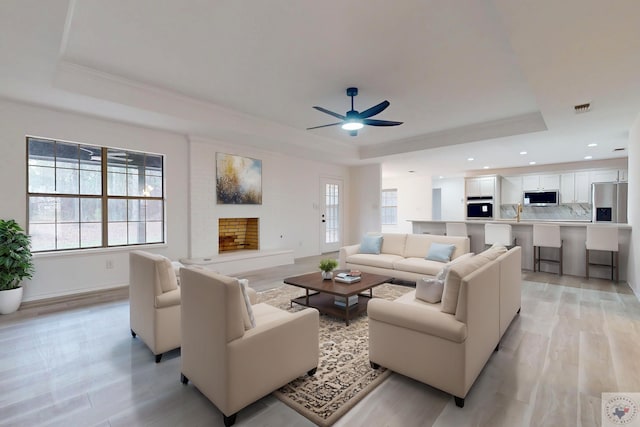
324, 126
376, 109
331, 113
373, 122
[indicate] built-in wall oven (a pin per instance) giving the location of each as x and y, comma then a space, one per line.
479, 207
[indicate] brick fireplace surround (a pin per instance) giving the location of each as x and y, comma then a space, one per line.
235, 234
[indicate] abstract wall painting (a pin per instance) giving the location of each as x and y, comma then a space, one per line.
238, 180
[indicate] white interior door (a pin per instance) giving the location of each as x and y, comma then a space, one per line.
330, 214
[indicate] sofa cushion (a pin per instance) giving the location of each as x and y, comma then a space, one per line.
381, 261
370, 244
418, 265
429, 290
418, 244
168, 299
493, 252
452, 283
440, 252
442, 274
393, 243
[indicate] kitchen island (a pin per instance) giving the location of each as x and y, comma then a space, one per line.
573, 234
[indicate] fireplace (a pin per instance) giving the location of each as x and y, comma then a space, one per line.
236, 234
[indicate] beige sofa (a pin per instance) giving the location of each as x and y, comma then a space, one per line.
154, 302
447, 350
230, 361
402, 256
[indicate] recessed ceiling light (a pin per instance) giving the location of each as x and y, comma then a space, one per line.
440, 177
523, 152
588, 157
532, 163
470, 159
593, 144
485, 167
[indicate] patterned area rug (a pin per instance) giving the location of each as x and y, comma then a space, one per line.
344, 376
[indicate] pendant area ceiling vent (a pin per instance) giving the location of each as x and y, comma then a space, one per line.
619, 149
582, 108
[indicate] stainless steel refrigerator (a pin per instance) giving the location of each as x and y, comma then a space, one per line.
609, 202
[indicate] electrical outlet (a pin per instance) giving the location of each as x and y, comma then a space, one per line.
109, 264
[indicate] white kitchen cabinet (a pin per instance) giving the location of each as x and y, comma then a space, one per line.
541, 182
606, 175
511, 191
481, 186
575, 187
622, 175
583, 188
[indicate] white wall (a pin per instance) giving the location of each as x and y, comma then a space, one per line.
633, 209
453, 207
414, 201
364, 201
289, 214
80, 271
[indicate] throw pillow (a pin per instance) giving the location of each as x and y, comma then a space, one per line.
247, 313
371, 245
166, 275
429, 290
440, 252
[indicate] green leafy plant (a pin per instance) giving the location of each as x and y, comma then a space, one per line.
328, 264
15, 255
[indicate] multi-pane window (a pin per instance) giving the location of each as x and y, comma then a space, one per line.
389, 207
84, 196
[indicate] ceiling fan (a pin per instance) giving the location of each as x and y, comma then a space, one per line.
353, 120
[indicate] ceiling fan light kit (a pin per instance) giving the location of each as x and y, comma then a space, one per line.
353, 120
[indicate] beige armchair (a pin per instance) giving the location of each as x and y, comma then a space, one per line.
154, 302
232, 363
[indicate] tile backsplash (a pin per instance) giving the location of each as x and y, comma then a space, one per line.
567, 212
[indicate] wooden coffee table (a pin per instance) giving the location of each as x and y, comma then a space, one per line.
326, 290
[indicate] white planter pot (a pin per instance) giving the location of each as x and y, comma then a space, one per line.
327, 275
10, 300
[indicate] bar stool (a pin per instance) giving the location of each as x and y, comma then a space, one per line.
603, 238
498, 234
547, 236
456, 229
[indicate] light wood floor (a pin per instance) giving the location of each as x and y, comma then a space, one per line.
74, 363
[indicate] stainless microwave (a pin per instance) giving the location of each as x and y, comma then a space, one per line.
540, 198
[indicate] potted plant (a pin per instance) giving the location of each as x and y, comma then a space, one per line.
15, 264
327, 266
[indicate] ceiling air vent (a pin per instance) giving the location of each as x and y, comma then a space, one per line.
582, 108
619, 149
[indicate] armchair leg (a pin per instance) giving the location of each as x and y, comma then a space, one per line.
519, 310
312, 372
230, 420
459, 401
374, 365
184, 380
158, 357
497, 347
133, 334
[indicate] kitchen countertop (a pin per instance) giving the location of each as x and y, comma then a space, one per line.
563, 223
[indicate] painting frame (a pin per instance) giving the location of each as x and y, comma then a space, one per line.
238, 180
